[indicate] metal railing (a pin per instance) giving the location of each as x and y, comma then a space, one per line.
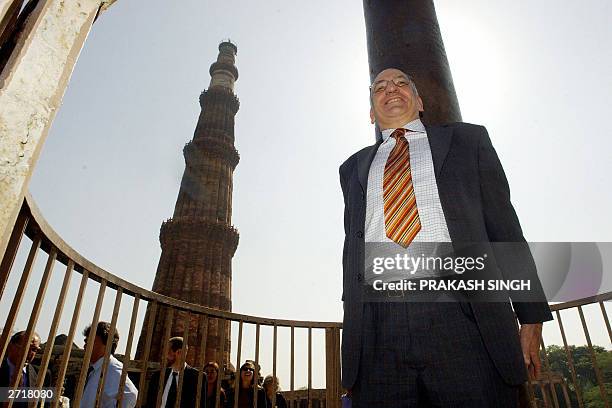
550, 390
32, 224
551, 387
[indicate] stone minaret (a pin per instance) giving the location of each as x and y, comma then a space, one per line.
199, 241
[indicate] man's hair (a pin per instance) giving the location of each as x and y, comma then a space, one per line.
176, 343
103, 332
18, 337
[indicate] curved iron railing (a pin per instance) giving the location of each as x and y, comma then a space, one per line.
32, 224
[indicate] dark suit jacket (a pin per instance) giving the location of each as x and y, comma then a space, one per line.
475, 198
32, 379
189, 391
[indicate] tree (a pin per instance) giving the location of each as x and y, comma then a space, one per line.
585, 374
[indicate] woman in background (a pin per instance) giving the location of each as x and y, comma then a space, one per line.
246, 388
271, 387
212, 376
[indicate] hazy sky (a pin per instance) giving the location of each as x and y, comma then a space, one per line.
536, 74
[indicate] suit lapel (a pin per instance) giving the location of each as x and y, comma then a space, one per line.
439, 141
32, 376
363, 165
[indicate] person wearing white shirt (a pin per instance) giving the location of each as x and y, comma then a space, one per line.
110, 392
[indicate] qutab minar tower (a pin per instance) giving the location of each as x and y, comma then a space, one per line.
199, 241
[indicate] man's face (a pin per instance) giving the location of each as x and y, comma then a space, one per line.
98, 349
15, 351
393, 106
173, 356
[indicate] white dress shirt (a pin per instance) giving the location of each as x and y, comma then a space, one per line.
433, 222
168, 384
108, 396
433, 238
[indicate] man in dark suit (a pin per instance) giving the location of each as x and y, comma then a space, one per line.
439, 184
170, 384
8, 370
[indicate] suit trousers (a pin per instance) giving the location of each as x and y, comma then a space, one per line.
426, 355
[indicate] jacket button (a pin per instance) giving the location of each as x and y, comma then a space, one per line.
359, 234
359, 277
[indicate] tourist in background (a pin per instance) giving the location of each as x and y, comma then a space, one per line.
18, 345
272, 388
109, 394
228, 379
211, 369
247, 388
176, 365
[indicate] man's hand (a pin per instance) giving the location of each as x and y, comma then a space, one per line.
531, 336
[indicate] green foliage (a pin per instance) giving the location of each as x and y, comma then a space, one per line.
592, 397
585, 374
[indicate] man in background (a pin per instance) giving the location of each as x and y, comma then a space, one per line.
176, 365
14, 353
110, 392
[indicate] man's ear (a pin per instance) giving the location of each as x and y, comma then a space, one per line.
420, 104
372, 118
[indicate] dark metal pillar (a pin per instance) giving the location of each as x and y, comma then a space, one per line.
404, 34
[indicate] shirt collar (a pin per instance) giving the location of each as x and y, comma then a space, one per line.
414, 126
98, 364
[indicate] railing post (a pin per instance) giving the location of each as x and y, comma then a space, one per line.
12, 247
332, 365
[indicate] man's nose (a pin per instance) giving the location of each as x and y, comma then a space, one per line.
390, 87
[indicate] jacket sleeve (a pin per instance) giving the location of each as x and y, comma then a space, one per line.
151, 391
511, 251
344, 186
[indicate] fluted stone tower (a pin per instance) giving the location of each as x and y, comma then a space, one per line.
199, 241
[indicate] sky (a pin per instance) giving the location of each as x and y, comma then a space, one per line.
536, 74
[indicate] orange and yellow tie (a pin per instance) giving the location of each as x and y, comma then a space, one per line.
402, 221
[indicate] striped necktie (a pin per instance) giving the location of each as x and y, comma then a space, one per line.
402, 222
